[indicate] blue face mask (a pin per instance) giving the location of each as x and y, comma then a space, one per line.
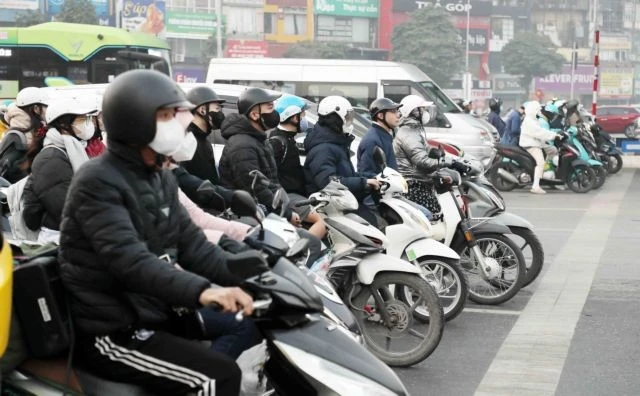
304, 124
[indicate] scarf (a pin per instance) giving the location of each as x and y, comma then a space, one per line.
74, 148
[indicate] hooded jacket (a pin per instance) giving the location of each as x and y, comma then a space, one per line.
118, 219
412, 150
203, 163
246, 150
531, 133
328, 154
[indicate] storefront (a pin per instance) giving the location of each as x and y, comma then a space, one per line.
559, 84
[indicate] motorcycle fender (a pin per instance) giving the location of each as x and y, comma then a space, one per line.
371, 265
578, 162
429, 247
593, 162
513, 220
614, 151
492, 226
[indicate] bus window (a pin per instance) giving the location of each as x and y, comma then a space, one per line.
9, 73
431, 92
358, 94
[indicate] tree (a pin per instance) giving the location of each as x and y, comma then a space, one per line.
531, 55
29, 18
317, 50
78, 11
431, 42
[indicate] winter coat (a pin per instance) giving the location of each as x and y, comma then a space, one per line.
203, 163
512, 129
189, 184
46, 190
532, 134
411, 149
328, 154
285, 151
246, 150
495, 120
119, 218
376, 136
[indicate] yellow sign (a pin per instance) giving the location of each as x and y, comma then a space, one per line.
616, 83
613, 43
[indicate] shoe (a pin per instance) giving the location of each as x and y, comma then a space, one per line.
538, 190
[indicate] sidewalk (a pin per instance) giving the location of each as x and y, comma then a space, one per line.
631, 161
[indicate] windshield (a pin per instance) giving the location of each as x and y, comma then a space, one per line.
435, 94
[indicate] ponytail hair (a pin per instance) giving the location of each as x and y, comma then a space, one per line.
62, 123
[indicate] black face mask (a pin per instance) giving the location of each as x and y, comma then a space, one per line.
215, 119
270, 120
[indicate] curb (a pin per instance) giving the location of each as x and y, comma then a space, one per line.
631, 161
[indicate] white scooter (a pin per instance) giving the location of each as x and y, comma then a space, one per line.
371, 283
410, 238
493, 263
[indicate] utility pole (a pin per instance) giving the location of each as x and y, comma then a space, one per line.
218, 28
467, 81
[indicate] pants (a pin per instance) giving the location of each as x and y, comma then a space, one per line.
160, 362
536, 153
228, 336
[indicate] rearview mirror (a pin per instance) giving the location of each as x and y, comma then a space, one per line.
281, 200
379, 158
242, 204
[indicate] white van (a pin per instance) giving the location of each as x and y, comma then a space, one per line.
361, 82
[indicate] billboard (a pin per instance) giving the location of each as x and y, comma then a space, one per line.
147, 16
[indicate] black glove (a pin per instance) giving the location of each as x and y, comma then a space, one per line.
246, 264
461, 167
231, 245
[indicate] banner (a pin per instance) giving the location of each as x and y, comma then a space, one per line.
246, 49
353, 8
20, 4
560, 83
194, 23
478, 39
455, 7
147, 16
188, 74
616, 83
102, 7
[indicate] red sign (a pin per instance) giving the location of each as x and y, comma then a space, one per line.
246, 49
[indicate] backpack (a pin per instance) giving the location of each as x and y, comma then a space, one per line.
284, 143
9, 161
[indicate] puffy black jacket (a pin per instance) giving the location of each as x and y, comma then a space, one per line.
285, 151
328, 154
46, 190
247, 150
412, 151
118, 219
203, 163
189, 184
13, 154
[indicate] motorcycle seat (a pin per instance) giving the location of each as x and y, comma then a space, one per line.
80, 382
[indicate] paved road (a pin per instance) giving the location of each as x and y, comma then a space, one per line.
572, 332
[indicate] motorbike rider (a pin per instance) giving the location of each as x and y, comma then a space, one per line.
53, 158
290, 172
25, 118
512, 129
385, 114
495, 105
207, 117
328, 153
411, 150
533, 138
122, 234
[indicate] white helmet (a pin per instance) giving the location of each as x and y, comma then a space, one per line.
340, 106
69, 106
31, 95
411, 102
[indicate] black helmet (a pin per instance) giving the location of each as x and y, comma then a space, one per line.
254, 96
495, 103
130, 103
201, 95
382, 104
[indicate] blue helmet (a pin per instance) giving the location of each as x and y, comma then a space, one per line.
288, 106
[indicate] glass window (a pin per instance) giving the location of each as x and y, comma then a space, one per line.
242, 19
358, 94
431, 91
294, 24
396, 92
270, 23
360, 30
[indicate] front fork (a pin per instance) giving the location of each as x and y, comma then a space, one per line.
474, 249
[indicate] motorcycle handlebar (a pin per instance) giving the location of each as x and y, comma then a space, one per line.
310, 201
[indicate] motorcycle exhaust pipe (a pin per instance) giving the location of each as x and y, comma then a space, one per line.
507, 176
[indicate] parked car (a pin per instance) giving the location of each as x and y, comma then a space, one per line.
618, 119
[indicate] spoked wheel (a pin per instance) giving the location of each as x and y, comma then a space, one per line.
615, 163
448, 280
392, 331
506, 266
532, 251
501, 183
601, 176
581, 179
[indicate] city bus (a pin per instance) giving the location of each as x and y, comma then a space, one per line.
44, 54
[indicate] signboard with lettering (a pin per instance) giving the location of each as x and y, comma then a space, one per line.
246, 49
102, 7
456, 7
146, 16
616, 83
507, 85
478, 39
560, 83
353, 8
185, 74
21, 4
193, 23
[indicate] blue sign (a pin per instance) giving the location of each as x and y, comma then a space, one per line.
103, 11
629, 145
186, 74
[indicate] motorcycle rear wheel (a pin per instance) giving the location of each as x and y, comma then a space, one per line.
614, 164
601, 176
373, 303
535, 259
499, 182
580, 179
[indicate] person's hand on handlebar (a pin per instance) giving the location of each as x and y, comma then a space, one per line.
230, 299
373, 184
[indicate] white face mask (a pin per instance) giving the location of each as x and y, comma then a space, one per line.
186, 149
84, 130
347, 128
426, 117
169, 136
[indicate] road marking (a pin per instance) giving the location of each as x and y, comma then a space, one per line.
493, 311
531, 359
552, 208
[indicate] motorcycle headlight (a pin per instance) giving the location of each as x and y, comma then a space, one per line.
339, 379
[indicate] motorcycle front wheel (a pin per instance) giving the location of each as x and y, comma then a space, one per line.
580, 179
532, 251
391, 329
